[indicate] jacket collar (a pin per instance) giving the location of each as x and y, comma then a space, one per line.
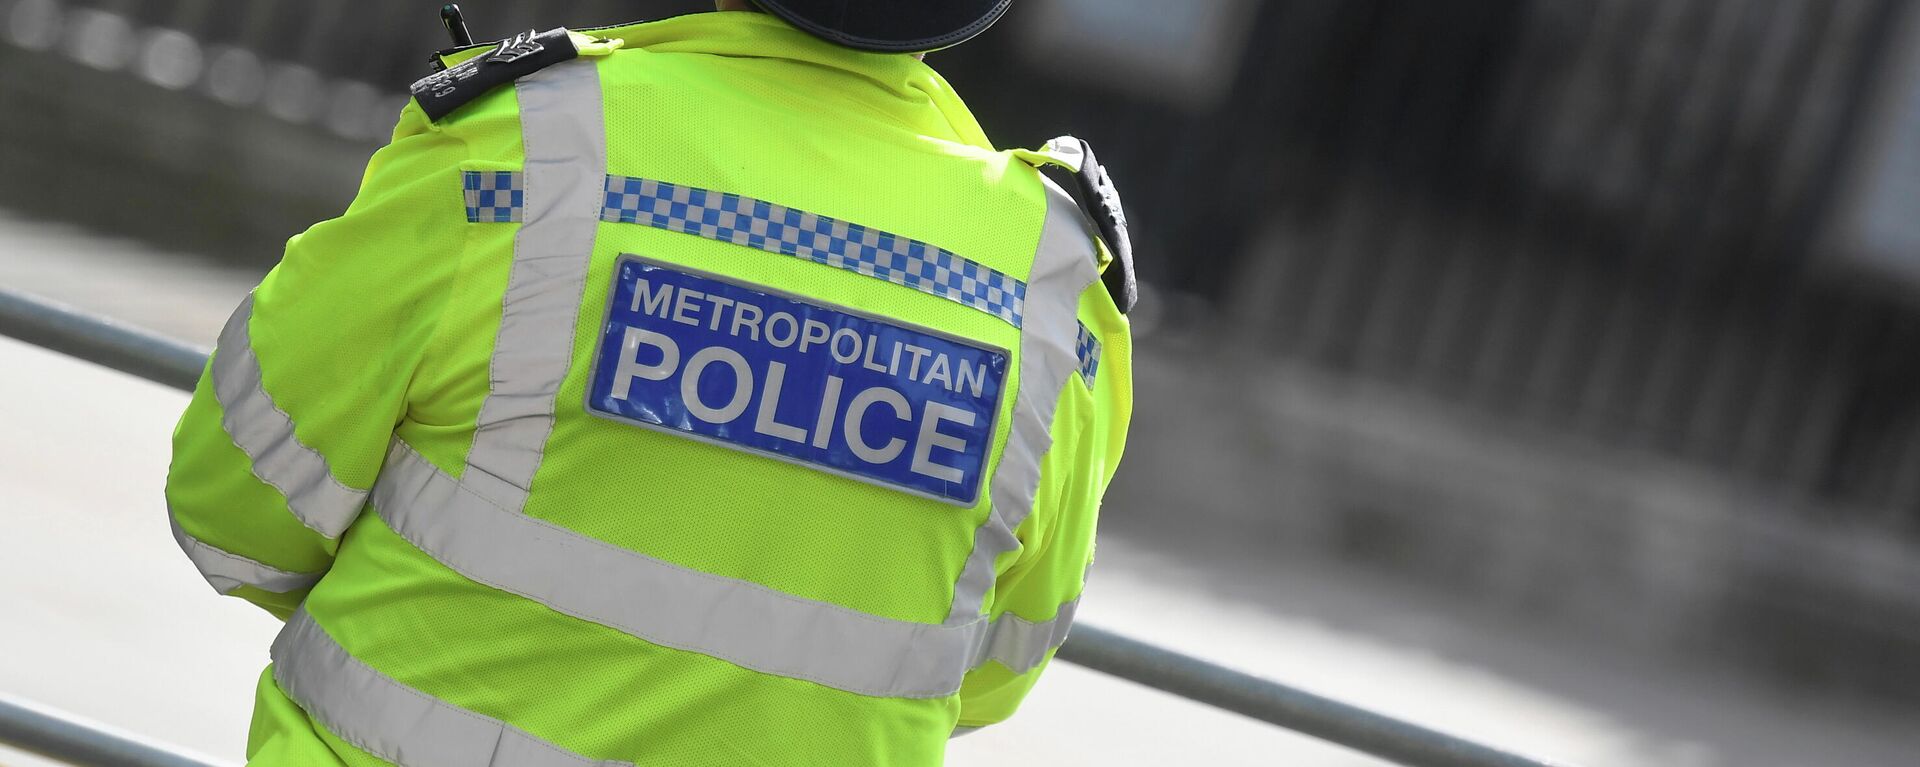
898, 85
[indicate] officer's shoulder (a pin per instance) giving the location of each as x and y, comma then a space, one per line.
489, 66
1100, 201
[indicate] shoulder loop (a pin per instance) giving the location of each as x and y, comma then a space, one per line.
449, 89
1098, 198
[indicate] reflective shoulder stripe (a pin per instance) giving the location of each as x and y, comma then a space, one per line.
564, 132
1063, 267
265, 434
393, 721
1020, 645
226, 572
738, 621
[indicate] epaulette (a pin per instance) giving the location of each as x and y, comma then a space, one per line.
1101, 202
526, 53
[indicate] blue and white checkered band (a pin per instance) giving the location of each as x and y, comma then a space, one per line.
494, 196
1088, 347
778, 229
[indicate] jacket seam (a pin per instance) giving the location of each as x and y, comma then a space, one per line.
453, 283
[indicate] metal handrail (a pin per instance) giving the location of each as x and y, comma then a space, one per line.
60, 736
1295, 709
164, 360
100, 340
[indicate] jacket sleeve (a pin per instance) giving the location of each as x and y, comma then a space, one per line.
1034, 598
291, 418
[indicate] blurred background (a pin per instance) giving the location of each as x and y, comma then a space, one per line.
1541, 370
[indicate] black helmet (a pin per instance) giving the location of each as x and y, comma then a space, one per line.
892, 26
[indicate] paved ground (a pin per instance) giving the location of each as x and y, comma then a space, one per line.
100, 615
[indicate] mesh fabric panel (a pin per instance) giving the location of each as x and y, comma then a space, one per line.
283, 734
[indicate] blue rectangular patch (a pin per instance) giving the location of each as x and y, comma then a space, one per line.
824, 387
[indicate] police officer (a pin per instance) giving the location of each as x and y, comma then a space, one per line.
701, 391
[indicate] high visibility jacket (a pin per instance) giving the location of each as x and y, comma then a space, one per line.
720, 396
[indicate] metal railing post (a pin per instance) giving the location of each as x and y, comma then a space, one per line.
40, 730
170, 362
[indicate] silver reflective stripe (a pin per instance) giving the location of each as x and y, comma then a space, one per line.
1020, 645
738, 621
564, 132
393, 721
265, 434
1063, 267
227, 572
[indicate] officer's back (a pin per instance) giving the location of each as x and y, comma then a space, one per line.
734, 402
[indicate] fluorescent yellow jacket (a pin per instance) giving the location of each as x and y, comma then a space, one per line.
717, 397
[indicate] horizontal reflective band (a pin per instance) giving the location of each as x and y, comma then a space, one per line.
494, 196
1088, 349
1021, 645
778, 229
738, 621
393, 721
226, 572
265, 434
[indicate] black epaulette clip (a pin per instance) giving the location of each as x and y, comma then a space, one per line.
1101, 202
449, 89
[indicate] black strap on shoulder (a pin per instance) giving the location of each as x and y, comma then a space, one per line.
1101, 202
526, 53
